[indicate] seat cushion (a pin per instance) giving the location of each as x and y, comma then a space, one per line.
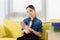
7, 38
12, 28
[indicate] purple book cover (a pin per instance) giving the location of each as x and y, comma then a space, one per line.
23, 25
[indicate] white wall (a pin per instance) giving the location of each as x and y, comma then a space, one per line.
1, 11
53, 9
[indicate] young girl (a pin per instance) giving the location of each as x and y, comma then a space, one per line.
33, 29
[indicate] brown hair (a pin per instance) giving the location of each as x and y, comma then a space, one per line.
30, 6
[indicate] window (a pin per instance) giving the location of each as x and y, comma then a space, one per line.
17, 9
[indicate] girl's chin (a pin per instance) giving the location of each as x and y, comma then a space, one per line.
30, 16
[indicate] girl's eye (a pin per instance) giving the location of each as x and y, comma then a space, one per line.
30, 10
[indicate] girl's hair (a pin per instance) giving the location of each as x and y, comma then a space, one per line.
30, 6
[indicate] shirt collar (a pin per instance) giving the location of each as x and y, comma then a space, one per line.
33, 18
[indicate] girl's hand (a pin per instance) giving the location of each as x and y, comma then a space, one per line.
26, 30
30, 29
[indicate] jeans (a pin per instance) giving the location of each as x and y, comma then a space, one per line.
30, 36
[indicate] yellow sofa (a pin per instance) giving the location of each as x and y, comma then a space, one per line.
12, 29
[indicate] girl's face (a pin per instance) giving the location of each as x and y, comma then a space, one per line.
31, 12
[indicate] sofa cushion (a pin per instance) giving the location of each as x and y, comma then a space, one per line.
12, 28
2, 31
